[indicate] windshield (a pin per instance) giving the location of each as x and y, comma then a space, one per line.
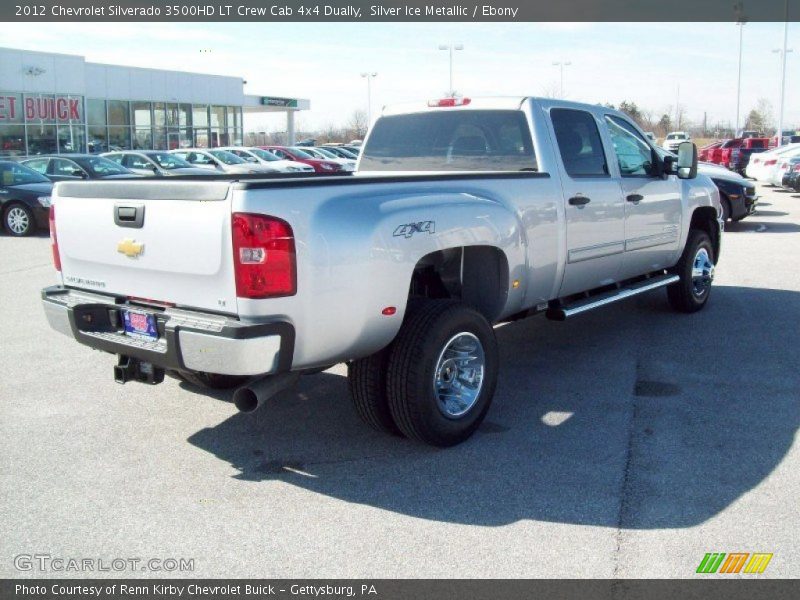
16, 174
300, 153
169, 161
461, 140
226, 157
327, 153
264, 155
676, 136
103, 167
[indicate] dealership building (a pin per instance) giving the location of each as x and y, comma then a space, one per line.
60, 103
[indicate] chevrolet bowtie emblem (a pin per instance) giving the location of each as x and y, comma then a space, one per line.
130, 248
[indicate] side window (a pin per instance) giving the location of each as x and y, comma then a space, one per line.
634, 154
117, 158
137, 162
579, 143
279, 153
39, 165
65, 168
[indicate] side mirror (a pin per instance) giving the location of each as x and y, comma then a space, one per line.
79, 173
687, 160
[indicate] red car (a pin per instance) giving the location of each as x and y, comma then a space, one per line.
704, 154
297, 154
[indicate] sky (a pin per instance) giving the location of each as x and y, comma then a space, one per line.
652, 64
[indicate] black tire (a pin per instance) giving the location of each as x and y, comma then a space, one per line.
726, 209
683, 295
211, 381
20, 211
414, 405
367, 381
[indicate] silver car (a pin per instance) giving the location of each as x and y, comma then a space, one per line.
221, 161
154, 163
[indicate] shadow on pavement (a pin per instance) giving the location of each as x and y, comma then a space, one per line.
749, 225
633, 416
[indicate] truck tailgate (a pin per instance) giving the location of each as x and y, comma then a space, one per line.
163, 241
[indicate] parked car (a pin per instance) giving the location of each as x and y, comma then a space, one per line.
154, 163
399, 273
790, 136
214, 159
341, 152
735, 154
784, 165
760, 164
269, 160
72, 167
300, 155
348, 164
675, 139
704, 153
738, 196
791, 179
24, 198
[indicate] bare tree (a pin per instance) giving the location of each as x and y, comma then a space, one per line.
357, 125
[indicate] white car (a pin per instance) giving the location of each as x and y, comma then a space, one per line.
761, 164
323, 154
674, 139
784, 163
268, 159
215, 159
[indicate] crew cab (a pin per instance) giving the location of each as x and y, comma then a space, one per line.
462, 214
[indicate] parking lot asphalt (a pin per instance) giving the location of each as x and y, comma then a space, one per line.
627, 442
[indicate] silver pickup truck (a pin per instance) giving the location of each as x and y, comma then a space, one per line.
462, 214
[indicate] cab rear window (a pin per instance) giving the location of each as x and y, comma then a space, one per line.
461, 140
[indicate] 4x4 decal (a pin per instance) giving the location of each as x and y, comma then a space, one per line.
410, 229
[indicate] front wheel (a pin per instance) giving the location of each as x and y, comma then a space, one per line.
18, 220
696, 271
442, 373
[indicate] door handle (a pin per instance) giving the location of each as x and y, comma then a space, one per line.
579, 200
635, 198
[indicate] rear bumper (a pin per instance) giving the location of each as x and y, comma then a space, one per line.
188, 340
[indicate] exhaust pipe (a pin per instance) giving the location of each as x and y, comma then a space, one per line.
249, 397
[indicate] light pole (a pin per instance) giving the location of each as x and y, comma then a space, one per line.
741, 23
450, 48
369, 77
783, 52
561, 64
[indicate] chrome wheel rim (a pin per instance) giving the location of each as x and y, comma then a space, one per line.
17, 220
458, 378
702, 273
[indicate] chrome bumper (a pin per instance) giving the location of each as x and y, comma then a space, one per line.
188, 340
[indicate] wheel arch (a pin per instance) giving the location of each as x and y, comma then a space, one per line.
704, 218
477, 275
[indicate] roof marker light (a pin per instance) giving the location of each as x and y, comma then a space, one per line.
449, 102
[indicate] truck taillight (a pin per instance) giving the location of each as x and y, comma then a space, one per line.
263, 256
769, 163
54, 239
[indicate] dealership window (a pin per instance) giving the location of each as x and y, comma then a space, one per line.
119, 138
12, 140
118, 113
159, 114
42, 139
220, 137
201, 138
237, 137
159, 138
234, 117
140, 114
142, 138
71, 138
217, 117
98, 140
200, 115
96, 112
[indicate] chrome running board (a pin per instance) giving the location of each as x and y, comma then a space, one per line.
564, 312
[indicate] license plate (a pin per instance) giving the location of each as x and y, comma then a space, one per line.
140, 324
